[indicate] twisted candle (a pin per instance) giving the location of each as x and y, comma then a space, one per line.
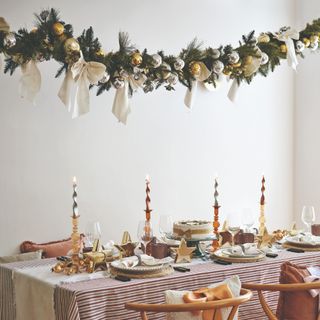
262, 199
74, 197
148, 200
216, 193
262, 218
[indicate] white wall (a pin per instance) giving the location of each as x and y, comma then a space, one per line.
42, 148
307, 115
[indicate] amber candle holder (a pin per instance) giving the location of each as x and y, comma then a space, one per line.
216, 224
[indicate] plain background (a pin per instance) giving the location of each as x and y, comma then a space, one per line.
42, 148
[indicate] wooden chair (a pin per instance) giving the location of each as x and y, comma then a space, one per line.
278, 287
245, 295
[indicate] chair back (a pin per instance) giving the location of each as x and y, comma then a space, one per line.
234, 303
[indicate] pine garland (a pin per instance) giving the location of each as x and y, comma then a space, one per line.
45, 43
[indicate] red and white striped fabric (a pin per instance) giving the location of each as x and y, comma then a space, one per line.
104, 298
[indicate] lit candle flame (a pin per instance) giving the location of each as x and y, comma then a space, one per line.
147, 178
74, 180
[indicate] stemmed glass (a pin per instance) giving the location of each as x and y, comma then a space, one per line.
145, 233
247, 219
233, 226
308, 217
92, 232
165, 225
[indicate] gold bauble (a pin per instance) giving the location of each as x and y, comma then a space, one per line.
136, 58
227, 71
248, 60
306, 42
283, 48
263, 38
195, 68
71, 45
100, 53
58, 28
314, 39
237, 65
34, 30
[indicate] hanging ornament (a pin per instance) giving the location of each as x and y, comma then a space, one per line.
136, 58
105, 78
247, 60
172, 79
306, 42
9, 40
233, 57
58, 28
178, 64
264, 58
71, 45
283, 48
215, 53
227, 71
217, 67
100, 53
165, 71
118, 82
195, 68
314, 46
300, 46
156, 60
263, 38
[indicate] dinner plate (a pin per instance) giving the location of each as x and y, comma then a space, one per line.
222, 254
299, 242
237, 255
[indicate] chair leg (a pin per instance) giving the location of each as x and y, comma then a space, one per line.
143, 315
265, 307
233, 312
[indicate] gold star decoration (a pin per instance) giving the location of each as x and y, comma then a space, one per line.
265, 240
184, 253
126, 247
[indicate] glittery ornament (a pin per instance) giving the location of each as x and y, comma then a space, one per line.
264, 58
215, 53
58, 28
300, 46
118, 83
105, 78
306, 42
100, 53
9, 40
195, 68
172, 79
136, 58
71, 45
178, 64
217, 67
314, 46
263, 38
156, 60
233, 57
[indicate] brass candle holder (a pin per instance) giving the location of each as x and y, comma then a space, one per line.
216, 224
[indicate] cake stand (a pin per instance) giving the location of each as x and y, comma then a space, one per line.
194, 242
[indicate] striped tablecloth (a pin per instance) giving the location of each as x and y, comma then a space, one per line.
104, 298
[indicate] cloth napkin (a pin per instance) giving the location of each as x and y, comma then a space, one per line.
146, 260
308, 238
209, 294
245, 249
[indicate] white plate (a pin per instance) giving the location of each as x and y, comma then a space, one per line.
299, 241
236, 255
137, 269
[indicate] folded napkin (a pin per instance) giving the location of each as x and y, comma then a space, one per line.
306, 238
144, 260
170, 242
209, 294
244, 249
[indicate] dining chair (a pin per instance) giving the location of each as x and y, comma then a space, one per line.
215, 305
280, 288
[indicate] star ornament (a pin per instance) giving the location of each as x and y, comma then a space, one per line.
127, 249
184, 253
265, 240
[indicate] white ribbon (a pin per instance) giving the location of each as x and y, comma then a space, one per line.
121, 105
30, 81
232, 94
286, 37
83, 74
191, 93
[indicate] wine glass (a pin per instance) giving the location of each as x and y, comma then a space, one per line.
247, 219
165, 225
145, 233
233, 226
92, 232
308, 217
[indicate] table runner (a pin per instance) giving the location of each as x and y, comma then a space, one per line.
105, 298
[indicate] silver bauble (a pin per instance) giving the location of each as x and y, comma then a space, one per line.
217, 67
118, 83
172, 79
178, 64
233, 57
9, 40
215, 53
300, 46
264, 58
156, 60
166, 71
314, 46
105, 78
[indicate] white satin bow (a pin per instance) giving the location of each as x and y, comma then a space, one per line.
191, 93
30, 81
287, 36
83, 74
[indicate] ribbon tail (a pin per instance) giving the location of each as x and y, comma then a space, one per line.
232, 94
65, 90
121, 107
291, 54
82, 101
191, 95
30, 81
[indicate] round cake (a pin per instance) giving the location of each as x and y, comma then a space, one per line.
192, 229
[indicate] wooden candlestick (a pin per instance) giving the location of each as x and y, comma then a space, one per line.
148, 200
216, 223
262, 219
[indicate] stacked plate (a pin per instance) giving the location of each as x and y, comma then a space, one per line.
229, 255
303, 241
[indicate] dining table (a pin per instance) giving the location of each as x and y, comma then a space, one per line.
104, 297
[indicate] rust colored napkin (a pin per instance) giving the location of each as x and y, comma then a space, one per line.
209, 294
